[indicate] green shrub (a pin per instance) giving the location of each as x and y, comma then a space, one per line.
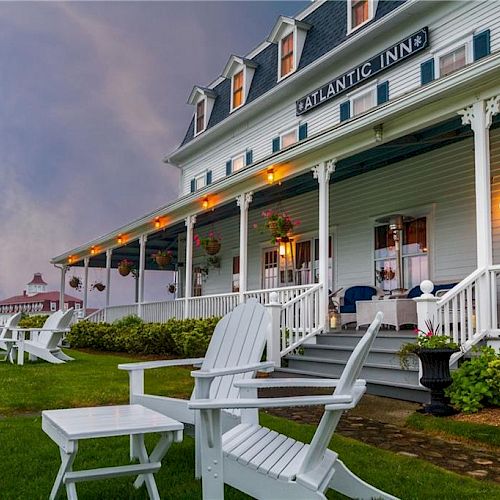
34, 321
476, 383
185, 338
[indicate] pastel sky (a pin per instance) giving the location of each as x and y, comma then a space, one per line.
92, 96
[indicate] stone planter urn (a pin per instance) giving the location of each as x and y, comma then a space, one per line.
436, 377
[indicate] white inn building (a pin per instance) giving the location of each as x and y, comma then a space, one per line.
376, 123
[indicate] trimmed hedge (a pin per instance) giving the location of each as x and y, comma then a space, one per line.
186, 338
35, 321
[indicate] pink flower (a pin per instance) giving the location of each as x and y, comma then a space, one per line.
255, 226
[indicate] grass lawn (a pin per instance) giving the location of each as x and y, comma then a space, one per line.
30, 459
482, 433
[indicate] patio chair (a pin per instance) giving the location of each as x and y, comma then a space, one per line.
266, 464
347, 301
6, 340
438, 291
45, 342
234, 353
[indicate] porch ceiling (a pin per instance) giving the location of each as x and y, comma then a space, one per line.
422, 141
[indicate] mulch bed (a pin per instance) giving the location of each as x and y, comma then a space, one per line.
488, 416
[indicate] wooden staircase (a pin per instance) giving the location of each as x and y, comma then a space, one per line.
382, 370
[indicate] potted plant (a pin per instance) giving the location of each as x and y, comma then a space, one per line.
213, 261
434, 351
98, 285
162, 258
125, 266
76, 283
211, 243
279, 224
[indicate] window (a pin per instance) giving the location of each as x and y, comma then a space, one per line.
77, 305
359, 12
200, 181
363, 102
236, 274
286, 55
452, 61
238, 162
237, 90
414, 255
66, 306
307, 262
198, 274
200, 116
288, 138
53, 306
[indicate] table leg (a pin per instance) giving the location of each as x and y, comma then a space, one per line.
157, 454
149, 479
67, 459
33, 337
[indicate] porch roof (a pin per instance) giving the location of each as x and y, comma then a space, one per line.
429, 114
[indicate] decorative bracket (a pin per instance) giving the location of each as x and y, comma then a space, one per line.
470, 115
323, 170
244, 200
190, 221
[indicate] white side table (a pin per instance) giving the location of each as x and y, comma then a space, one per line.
397, 312
67, 427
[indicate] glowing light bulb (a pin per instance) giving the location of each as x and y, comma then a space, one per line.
205, 203
270, 176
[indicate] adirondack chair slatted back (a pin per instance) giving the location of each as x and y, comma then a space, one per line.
57, 321
330, 419
239, 339
11, 322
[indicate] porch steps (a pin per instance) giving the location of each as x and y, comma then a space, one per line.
382, 370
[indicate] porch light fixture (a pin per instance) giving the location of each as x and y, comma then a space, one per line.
282, 249
379, 133
157, 223
70, 259
119, 240
270, 175
92, 251
205, 203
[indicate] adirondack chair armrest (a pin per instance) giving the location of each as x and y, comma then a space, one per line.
221, 404
264, 383
233, 370
148, 365
20, 329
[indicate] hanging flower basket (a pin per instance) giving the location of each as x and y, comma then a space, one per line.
279, 225
212, 246
172, 288
210, 243
76, 283
125, 266
162, 258
100, 287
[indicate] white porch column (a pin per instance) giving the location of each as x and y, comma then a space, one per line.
109, 254
322, 173
243, 201
62, 289
86, 261
479, 117
188, 286
142, 264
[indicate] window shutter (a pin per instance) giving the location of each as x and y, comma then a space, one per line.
345, 111
209, 177
276, 144
229, 167
427, 71
302, 131
193, 185
249, 157
482, 46
382, 92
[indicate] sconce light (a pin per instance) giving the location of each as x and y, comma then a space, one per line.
92, 251
282, 250
270, 175
205, 203
379, 133
157, 223
119, 240
70, 259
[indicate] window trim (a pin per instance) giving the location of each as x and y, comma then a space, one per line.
236, 156
242, 70
365, 89
196, 131
292, 31
203, 176
371, 14
465, 40
295, 129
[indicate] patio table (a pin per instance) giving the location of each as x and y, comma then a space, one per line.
397, 312
66, 427
21, 337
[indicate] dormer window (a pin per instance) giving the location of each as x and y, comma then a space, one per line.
359, 12
200, 116
286, 56
238, 80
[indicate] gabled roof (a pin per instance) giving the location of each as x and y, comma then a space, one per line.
282, 23
39, 297
197, 90
239, 61
328, 30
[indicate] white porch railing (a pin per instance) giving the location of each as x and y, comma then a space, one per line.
285, 294
208, 306
159, 312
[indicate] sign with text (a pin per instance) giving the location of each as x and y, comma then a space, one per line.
387, 59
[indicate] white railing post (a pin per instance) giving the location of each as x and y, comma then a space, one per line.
62, 290
479, 116
322, 173
426, 305
190, 222
274, 334
142, 265
243, 201
86, 261
109, 254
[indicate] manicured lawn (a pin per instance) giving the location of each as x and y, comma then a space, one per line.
488, 434
30, 459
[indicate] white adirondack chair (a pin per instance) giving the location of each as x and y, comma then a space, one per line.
268, 465
234, 353
45, 342
6, 340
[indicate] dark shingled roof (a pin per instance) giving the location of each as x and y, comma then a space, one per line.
328, 30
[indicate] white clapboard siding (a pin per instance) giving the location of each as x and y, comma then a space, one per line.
442, 180
446, 23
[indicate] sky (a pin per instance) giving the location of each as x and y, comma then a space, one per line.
92, 97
